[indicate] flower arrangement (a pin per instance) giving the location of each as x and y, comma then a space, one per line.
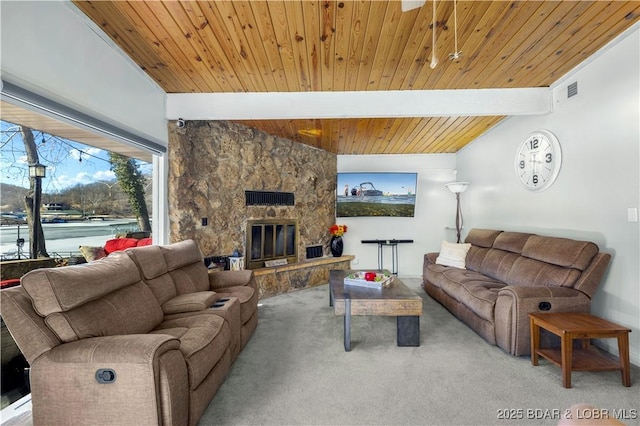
338, 230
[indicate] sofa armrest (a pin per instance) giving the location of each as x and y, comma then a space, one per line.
189, 302
148, 387
591, 277
514, 304
222, 279
528, 294
129, 348
430, 258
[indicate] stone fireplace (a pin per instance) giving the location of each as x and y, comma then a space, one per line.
215, 165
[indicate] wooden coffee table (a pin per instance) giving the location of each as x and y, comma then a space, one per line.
395, 300
571, 325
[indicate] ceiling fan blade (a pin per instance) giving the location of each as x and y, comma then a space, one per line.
411, 4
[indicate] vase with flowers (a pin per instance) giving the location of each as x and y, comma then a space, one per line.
336, 245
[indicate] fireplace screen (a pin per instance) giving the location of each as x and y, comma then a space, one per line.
271, 240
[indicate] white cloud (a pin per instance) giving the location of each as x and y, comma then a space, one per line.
65, 181
104, 175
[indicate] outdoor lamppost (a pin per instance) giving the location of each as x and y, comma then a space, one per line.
36, 171
458, 188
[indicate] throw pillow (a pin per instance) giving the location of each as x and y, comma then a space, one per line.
452, 254
119, 244
92, 253
144, 242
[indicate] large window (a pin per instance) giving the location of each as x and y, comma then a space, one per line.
82, 201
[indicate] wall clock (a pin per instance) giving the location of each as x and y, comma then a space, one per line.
538, 160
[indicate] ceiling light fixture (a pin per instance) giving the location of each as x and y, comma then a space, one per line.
310, 132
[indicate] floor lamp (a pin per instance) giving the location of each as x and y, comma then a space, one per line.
458, 188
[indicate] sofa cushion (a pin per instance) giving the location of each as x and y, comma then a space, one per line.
94, 299
560, 251
475, 257
433, 273
186, 267
149, 260
480, 297
511, 241
451, 279
181, 254
155, 272
452, 254
62, 289
482, 237
498, 264
190, 302
190, 279
131, 310
532, 272
437, 274
203, 341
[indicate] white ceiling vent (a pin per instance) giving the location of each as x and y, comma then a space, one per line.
572, 89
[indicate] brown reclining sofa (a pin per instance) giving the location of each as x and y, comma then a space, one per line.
145, 336
507, 275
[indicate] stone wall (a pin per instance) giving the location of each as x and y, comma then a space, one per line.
283, 279
212, 163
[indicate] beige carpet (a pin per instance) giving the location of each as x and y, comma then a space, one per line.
294, 371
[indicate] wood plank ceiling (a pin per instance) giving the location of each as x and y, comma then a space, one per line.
294, 46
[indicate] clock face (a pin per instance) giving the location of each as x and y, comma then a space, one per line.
538, 160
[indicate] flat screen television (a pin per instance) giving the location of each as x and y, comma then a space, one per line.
376, 194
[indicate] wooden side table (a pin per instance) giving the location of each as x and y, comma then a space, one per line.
572, 325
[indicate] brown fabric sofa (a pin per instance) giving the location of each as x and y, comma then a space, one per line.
124, 341
183, 287
510, 274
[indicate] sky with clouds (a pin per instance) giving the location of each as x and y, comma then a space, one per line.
68, 163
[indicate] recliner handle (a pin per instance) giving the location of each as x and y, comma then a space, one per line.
105, 376
544, 306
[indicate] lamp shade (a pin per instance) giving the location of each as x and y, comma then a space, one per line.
457, 187
37, 170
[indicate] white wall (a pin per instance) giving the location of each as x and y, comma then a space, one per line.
435, 210
49, 48
599, 131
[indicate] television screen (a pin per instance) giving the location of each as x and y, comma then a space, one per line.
376, 194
